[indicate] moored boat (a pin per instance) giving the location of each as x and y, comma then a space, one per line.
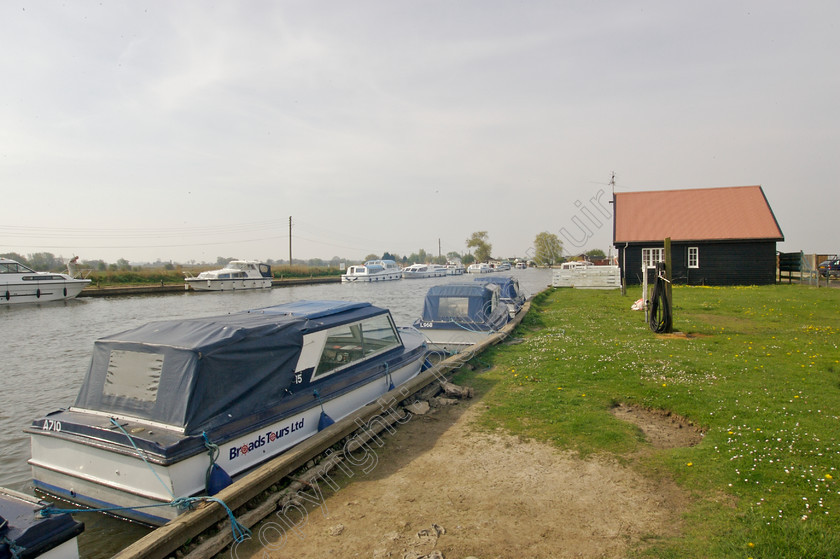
22, 284
458, 315
236, 275
479, 268
25, 533
420, 271
249, 384
372, 270
455, 268
509, 292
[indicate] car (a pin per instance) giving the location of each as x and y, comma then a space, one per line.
830, 267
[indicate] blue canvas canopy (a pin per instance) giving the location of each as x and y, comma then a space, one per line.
196, 374
508, 288
464, 303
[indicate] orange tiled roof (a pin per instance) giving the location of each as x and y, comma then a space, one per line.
728, 213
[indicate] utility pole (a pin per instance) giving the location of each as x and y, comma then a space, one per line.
290, 241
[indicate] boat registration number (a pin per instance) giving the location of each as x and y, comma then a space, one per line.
51, 425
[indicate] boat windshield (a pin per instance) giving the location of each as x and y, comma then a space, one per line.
350, 343
11, 267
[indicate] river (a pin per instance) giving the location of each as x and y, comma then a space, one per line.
47, 350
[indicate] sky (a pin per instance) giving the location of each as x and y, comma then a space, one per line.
192, 130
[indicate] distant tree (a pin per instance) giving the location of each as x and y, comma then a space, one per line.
222, 261
453, 256
596, 254
371, 257
467, 259
45, 261
123, 264
16, 257
388, 256
548, 249
479, 242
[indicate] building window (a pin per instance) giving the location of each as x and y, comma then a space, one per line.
693, 257
652, 256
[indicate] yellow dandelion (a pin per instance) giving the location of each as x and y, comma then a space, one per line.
689, 464
828, 476
750, 544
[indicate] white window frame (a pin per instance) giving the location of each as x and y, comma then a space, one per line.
652, 256
693, 257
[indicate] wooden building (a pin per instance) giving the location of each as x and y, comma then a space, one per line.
719, 236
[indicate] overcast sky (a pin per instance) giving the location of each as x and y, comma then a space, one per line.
190, 130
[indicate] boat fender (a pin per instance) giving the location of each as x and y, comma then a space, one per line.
38, 294
325, 420
216, 478
7, 295
65, 292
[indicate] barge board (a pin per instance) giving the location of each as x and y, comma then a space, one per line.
164, 541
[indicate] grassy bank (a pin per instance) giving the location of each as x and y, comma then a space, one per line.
156, 276
760, 373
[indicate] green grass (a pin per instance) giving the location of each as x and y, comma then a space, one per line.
760, 373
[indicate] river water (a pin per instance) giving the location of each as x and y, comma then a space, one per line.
47, 348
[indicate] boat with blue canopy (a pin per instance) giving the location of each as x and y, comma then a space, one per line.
174, 409
372, 270
509, 292
458, 315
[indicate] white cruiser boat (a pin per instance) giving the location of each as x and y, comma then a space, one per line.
372, 270
479, 268
252, 383
455, 268
237, 274
21, 284
418, 271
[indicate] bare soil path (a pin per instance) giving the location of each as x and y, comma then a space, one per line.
441, 488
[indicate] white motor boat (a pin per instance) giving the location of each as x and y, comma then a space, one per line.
479, 268
245, 386
21, 284
455, 268
419, 271
237, 274
372, 270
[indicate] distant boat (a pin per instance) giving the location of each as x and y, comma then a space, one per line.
417, 271
500, 266
458, 315
455, 268
479, 268
245, 386
372, 270
21, 284
521, 265
237, 274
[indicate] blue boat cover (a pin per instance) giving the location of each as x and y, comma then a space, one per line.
478, 311
197, 374
509, 288
31, 534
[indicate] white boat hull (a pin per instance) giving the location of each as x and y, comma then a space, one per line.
41, 291
452, 341
387, 276
197, 284
103, 479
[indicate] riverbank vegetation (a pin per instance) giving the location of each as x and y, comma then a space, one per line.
756, 369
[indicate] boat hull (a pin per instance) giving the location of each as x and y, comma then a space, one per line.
387, 276
197, 284
41, 291
101, 478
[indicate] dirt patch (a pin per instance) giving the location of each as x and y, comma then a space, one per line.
440, 488
661, 428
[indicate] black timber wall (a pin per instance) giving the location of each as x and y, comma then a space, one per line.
721, 263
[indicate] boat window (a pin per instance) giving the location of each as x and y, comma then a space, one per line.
453, 307
351, 343
132, 374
